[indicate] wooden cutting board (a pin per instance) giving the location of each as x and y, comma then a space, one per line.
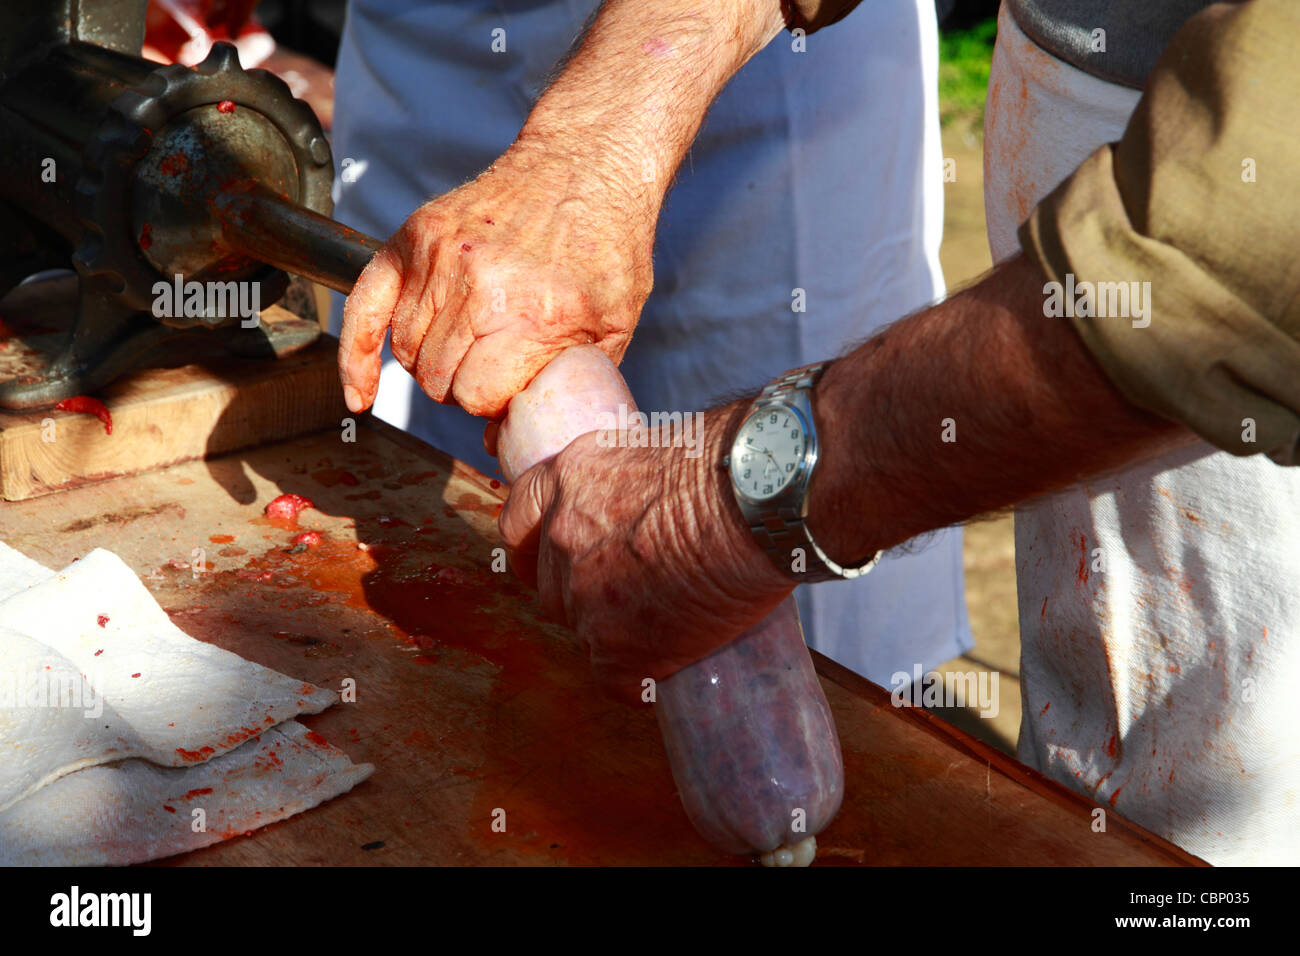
200, 405
474, 710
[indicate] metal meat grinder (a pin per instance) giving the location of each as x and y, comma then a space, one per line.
135, 173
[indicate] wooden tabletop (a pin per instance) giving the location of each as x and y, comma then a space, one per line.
468, 704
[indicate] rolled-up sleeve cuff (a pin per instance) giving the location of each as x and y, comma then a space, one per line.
1185, 347
1197, 260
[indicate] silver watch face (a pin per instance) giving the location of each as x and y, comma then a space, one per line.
768, 452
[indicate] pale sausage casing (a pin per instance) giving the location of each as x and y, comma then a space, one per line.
749, 734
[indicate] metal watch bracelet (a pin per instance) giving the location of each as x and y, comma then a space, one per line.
783, 529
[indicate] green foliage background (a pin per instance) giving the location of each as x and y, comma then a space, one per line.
964, 57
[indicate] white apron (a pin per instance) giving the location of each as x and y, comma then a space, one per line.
1163, 686
816, 170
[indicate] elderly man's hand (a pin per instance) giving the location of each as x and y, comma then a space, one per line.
643, 552
482, 287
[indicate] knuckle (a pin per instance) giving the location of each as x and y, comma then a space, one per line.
410, 235
471, 396
404, 351
569, 462
430, 383
562, 532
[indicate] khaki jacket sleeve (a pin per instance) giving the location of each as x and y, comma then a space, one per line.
1199, 204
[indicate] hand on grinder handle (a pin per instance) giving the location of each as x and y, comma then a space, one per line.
482, 287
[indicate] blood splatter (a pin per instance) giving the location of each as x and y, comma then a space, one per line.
146, 236
460, 621
226, 106
329, 477
101, 620
195, 756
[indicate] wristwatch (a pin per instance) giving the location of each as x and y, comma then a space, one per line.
771, 465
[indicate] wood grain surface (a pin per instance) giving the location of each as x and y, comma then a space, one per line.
200, 405
468, 704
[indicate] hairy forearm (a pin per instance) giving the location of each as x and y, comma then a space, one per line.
632, 97
963, 409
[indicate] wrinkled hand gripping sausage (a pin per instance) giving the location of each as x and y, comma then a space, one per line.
749, 734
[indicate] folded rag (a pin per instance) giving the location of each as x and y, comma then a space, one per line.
123, 739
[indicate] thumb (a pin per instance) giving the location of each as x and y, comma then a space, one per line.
521, 519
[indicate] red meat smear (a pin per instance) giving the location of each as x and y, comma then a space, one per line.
288, 506
89, 406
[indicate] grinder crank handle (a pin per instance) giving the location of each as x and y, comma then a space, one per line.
279, 232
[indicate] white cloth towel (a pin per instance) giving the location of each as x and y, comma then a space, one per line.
123, 739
